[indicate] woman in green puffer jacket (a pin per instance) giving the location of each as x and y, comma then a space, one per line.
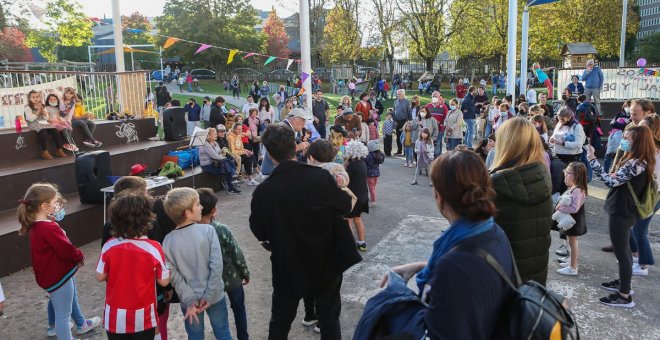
521, 180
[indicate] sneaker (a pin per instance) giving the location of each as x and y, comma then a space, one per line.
635, 259
74, 148
51, 330
413, 183
362, 246
564, 264
68, 147
252, 182
562, 251
616, 300
234, 192
310, 320
89, 325
638, 270
608, 249
563, 259
89, 143
613, 286
405, 165
568, 270
97, 143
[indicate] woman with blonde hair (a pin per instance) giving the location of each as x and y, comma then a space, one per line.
523, 196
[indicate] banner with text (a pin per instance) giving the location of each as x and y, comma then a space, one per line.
620, 83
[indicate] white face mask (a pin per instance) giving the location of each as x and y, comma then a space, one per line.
52, 103
435, 100
502, 113
422, 114
627, 110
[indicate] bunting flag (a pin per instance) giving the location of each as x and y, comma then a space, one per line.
170, 41
271, 58
304, 76
289, 64
202, 48
302, 90
248, 55
134, 30
232, 53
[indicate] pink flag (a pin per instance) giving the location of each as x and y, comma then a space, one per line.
248, 55
202, 48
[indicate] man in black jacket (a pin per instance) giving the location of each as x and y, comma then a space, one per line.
296, 213
469, 116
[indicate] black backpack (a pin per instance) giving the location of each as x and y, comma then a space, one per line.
590, 113
534, 312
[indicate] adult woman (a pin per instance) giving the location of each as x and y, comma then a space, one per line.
288, 106
422, 120
216, 161
568, 136
414, 106
524, 196
265, 90
255, 90
266, 112
634, 169
458, 296
453, 122
37, 118
253, 124
575, 87
363, 107
569, 101
238, 150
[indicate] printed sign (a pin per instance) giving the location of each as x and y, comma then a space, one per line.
620, 83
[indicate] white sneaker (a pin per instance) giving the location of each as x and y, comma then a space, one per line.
564, 264
51, 331
638, 270
635, 259
568, 270
563, 259
562, 250
89, 325
252, 182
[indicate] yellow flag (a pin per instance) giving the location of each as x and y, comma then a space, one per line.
232, 53
170, 41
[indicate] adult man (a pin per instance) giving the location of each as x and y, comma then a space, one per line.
283, 97
295, 121
593, 82
452, 83
402, 114
193, 112
460, 91
249, 105
495, 80
481, 99
396, 81
320, 110
543, 102
218, 112
438, 110
305, 236
351, 123
469, 116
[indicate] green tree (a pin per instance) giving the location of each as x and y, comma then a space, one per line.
137, 21
649, 48
387, 24
65, 25
277, 38
224, 23
341, 34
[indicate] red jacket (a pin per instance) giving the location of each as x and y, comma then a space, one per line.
54, 257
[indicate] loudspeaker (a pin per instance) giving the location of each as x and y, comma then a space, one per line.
174, 123
92, 171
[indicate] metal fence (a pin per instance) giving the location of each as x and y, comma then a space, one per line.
102, 92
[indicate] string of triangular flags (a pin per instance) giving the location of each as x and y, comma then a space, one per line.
645, 75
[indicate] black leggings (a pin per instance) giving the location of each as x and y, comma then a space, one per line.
42, 138
620, 236
247, 164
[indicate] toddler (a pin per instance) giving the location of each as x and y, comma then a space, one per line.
575, 177
425, 151
373, 161
388, 129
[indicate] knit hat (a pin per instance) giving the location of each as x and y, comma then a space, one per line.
355, 150
373, 145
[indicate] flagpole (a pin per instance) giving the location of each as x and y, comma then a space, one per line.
511, 53
305, 54
624, 19
118, 37
524, 50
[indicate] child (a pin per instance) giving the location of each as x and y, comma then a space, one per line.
613, 142
539, 125
54, 259
60, 124
131, 260
575, 177
181, 81
408, 144
322, 153
388, 129
425, 151
235, 272
37, 118
357, 172
421, 87
196, 271
373, 160
373, 129
83, 119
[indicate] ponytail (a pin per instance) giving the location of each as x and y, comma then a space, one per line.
30, 205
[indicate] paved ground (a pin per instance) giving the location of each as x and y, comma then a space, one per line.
401, 229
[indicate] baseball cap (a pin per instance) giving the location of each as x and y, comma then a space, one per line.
298, 112
136, 169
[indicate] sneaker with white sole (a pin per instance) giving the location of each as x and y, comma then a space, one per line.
562, 251
563, 259
635, 259
638, 270
564, 264
89, 143
614, 286
310, 320
252, 182
89, 325
51, 331
317, 330
617, 300
568, 270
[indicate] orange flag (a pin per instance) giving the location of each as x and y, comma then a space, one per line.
170, 41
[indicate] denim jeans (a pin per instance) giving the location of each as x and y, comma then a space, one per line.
639, 239
189, 87
609, 159
469, 135
219, 322
394, 89
408, 151
267, 165
437, 151
489, 129
76, 315
585, 161
237, 303
62, 301
452, 143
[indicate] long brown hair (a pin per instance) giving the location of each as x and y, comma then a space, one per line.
579, 175
30, 205
643, 148
653, 122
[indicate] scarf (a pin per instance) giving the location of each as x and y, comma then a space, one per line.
460, 230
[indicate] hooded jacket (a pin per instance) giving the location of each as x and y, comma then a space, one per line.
524, 211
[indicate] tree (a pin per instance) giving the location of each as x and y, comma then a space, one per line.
137, 21
224, 23
277, 38
430, 24
649, 48
12, 46
341, 34
66, 25
386, 19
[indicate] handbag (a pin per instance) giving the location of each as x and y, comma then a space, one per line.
649, 199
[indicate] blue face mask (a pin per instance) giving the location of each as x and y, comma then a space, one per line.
58, 215
625, 145
452, 107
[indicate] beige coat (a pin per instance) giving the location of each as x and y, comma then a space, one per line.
454, 121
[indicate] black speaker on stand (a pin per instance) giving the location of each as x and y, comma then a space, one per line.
174, 124
92, 171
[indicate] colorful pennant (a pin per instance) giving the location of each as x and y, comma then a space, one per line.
202, 48
232, 53
248, 55
289, 64
305, 76
170, 41
271, 58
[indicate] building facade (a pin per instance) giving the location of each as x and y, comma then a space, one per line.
649, 22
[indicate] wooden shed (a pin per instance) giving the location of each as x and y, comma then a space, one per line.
576, 54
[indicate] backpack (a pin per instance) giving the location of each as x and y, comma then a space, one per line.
534, 312
645, 208
589, 114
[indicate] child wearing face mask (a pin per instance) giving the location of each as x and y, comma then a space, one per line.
504, 115
55, 259
60, 124
539, 125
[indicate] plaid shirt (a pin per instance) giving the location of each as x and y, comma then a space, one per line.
388, 127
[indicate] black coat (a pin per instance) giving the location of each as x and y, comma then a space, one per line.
357, 173
216, 116
298, 210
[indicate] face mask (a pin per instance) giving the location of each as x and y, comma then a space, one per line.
435, 100
627, 110
564, 97
625, 145
59, 215
502, 113
422, 114
452, 107
52, 103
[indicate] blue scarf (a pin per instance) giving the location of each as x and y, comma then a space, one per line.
460, 230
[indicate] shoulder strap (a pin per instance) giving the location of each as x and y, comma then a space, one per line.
632, 193
493, 263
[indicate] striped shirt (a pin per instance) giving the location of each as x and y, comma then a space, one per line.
132, 265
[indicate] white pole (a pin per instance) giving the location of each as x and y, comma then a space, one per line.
305, 54
160, 54
89, 54
132, 62
118, 36
511, 53
624, 19
524, 46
